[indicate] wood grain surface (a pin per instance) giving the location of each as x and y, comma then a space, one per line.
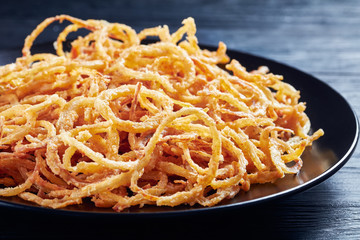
319, 37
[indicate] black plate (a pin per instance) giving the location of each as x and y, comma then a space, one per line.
326, 108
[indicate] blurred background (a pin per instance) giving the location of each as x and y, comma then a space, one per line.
319, 37
294, 32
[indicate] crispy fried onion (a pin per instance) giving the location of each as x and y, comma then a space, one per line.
128, 124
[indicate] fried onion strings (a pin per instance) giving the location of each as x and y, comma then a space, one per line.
130, 124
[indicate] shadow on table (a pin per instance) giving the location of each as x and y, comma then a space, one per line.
283, 219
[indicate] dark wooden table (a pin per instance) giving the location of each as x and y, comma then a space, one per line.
319, 37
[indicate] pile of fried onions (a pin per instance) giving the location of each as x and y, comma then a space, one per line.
126, 124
